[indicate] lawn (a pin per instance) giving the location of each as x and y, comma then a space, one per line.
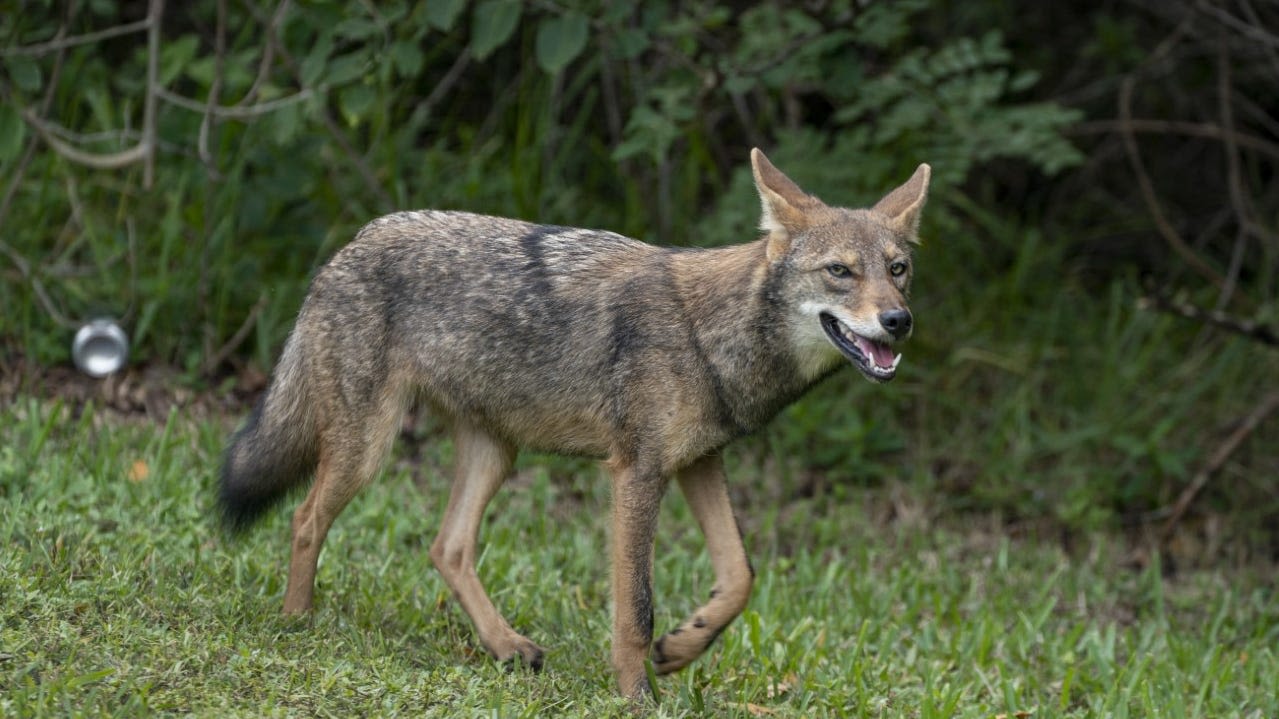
120, 596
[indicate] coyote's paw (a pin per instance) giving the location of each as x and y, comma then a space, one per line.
517, 651
679, 647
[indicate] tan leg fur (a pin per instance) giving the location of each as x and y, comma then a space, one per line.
637, 496
350, 456
482, 464
704, 487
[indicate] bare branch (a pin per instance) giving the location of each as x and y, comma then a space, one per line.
17, 174
217, 358
612, 108
154, 13
335, 130
112, 161
15, 179
1234, 182
144, 150
268, 53
1256, 21
219, 60
59, 43
42, 296
447, 82
1144, 184
1246, 29
1176, 127
1268, 405
1147, 188
1251, 329
234, 112
744, 118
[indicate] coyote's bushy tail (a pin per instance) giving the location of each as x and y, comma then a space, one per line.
275, 451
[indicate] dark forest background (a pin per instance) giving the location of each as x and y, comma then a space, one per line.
1096, 294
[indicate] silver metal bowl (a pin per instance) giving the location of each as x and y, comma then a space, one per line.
100, 348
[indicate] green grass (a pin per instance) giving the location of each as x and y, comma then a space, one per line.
119, 596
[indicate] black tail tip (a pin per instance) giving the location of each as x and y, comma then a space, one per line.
239, 506
237, 516
260, 467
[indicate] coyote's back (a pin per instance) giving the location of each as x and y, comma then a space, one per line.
576, 341
485, 316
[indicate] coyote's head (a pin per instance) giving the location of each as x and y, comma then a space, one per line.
842, 275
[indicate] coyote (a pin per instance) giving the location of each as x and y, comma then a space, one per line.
581, 342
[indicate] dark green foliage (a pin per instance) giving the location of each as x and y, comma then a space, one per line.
627, 118
1032, 385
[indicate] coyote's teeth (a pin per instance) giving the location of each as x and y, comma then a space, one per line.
896, 361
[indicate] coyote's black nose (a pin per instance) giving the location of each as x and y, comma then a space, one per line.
897, 322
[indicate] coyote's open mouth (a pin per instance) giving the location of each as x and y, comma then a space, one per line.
876, 360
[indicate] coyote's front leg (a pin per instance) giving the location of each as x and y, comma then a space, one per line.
637, 495
705, 489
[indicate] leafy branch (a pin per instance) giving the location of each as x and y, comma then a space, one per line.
144, 149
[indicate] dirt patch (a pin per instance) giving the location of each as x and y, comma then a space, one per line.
148, 392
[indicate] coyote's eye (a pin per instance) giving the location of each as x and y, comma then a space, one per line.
898, 268
838, 270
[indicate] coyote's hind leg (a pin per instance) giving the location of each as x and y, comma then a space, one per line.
482, 462
350, 456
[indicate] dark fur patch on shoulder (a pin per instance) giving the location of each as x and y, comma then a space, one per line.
531, 244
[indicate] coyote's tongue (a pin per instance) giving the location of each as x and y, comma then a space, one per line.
880, 354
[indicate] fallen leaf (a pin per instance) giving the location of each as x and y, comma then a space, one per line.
139, 471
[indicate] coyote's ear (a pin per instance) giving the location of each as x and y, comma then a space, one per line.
902, 206
785, 207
